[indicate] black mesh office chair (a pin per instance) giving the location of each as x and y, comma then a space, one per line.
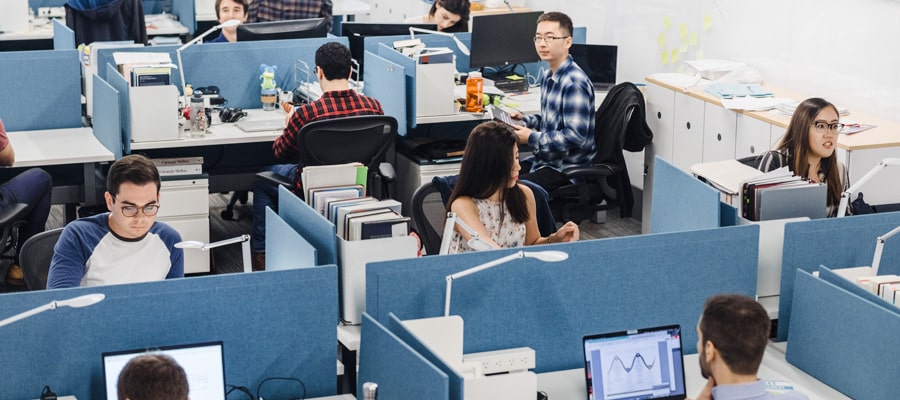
428, 213
35, 256
365, 139
11, 219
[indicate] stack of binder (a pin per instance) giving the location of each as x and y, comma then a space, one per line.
779, 194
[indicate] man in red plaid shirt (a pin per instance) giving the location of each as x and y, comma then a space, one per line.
279, 10
338, 100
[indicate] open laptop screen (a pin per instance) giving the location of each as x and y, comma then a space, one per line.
598, 62
202, 362
635, 364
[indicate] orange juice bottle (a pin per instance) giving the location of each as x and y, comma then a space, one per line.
474, 92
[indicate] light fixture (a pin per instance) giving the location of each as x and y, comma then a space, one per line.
474, 242
462, 47
845, 196
227, 24
243, 239
545, 256
77, 302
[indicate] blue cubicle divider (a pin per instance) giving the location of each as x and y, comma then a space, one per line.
398, 369
835, 242
285, 248
63, 37
681, 202
117, 81
106, 120
319, 231
41, 90
605, 285
272, 324
832, 277
384, 79
456, 381
844, 340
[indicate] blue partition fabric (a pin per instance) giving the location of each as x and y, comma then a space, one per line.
384, 79
118, 82
837, 243
285, 248
605, 285
833, 278
41, 90
456, 381
106, 120
844, 340
680, 201
63, 37
272, 324
399, 371
317, 230
186, 14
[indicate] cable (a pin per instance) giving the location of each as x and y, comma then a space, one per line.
240, 389
261, 383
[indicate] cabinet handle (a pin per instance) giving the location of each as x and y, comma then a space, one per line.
719, 137
659, 114
689, 124
752, 150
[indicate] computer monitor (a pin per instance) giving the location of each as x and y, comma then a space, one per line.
290, 29
203, 363
356, 32
503, 39
598, 62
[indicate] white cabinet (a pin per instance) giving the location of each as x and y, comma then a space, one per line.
184, 205
660, 118
753, 137
688, 132
719, 126
411, 175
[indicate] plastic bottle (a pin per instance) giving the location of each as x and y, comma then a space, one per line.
198, 115
474, 91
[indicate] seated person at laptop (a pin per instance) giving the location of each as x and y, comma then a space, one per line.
562, 135
124, 245
807, 149
152, 377
227, 10
448, 15
488, 198
338, 100
731, 338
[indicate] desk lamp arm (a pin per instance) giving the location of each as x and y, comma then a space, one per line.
845, 196
462, 46
470, 271
879, 247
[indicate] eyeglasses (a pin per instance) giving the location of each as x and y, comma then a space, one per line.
548, 39
148, 210
824, 127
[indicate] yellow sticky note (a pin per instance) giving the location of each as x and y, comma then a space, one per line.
667, 22
661, 40
707, 22
665, 57
683, 48
698, 55
682, 30
692, 41
674, 58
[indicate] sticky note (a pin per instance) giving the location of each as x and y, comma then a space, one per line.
665, 57
682, 30
661, 40
674, 58
683, 48
707, 22
667, 22
692, 39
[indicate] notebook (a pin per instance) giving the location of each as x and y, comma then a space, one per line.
635, 364
204, 364
261, 125
598, 62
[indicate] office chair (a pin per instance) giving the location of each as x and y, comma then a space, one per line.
603, 185
365, 139
11, 219
428, 212
35, 256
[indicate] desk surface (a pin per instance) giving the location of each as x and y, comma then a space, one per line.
219, 133
527, 103
57, 147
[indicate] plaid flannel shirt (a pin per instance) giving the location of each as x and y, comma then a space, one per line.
278, 10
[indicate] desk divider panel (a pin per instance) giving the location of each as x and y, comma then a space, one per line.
317, 230
399, 371
118, 82
605, 285
272, 324
844, 340
63, 37
456, 381
833, 278
383, 80
285, 248
837, 243
41, 90
681, 202
106, 120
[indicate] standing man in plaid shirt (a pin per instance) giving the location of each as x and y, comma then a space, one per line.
562, 135
338, 100
279, 10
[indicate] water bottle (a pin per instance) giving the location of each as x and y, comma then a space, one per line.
198, 115
370, 391
474, 92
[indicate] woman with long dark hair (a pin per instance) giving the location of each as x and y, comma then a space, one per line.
448, 15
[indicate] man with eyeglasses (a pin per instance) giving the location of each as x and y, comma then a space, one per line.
125, 245
562, 135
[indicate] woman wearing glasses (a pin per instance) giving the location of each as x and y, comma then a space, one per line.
807, 149
448, 15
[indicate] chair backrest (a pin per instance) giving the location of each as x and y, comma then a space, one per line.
428, 215
364, 138
35, 256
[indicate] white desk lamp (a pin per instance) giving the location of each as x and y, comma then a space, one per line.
244, 240
545, 256
462, 47
475, 242
77, 302
227, 24
879, 247
845, 196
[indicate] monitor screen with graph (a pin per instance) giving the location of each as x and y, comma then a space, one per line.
635, 364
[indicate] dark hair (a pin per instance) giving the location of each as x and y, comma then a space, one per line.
795, 143
334, 60
243, 3
486, 167
458, 7
152, 377
565, 23
739, 328
135, 169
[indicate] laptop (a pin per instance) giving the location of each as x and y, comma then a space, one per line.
635, 364
598, 62
204, 364
260, 125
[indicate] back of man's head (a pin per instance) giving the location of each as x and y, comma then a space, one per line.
152, 377
135, 169
333, 59
738, 327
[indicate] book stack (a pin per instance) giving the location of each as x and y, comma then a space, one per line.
779, 194
179, 166
885, 286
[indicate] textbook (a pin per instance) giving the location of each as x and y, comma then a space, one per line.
178, 166
319, 176
388, 227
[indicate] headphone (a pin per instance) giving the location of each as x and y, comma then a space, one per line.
231, 114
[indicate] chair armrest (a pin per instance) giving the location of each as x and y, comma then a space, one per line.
274, 179
13, 213
589, 171
387, 172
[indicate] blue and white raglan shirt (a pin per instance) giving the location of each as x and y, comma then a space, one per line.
88, 253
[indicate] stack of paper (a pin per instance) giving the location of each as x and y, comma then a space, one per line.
788, 108
727, 90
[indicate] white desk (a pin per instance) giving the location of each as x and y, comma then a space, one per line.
348, 341
221, 134
526, 103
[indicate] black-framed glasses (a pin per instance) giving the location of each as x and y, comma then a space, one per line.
548, 39
824, 127
148, 210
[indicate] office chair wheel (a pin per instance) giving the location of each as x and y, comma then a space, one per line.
227, 215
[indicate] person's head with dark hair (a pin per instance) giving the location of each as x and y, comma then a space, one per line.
563, 20
450, 15
333, 62
132, 196
731, 338
227, 10
152, 377
553, 38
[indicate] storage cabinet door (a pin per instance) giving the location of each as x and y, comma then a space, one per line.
753, 137
688, 145
660, 118
719, 126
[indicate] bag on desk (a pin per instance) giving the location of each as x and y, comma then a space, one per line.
859, 206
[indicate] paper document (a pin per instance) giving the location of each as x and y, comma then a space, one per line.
754, 103
728, 176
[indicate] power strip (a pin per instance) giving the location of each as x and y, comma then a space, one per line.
503, 361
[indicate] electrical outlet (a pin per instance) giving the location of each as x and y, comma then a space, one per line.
503, 361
